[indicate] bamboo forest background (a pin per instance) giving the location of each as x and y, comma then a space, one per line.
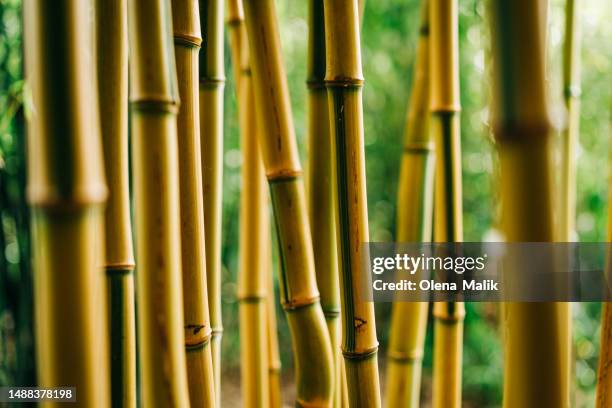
388, 47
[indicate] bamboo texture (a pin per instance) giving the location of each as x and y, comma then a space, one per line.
298, 289
274, 360
320, 188
448, 226
254, 222
212, 83
154, 100
536, 335
66, 191
570, 134
112, 70
344, 82
414, 221
197, 326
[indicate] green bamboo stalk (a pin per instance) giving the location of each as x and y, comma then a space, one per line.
66, 191
344, 82
414, 221
154, 99
445, 108
112, 63
212, 82
320, 188
198, 332
536, 337
299, 294
570, 134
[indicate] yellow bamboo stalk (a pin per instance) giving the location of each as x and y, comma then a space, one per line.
212, 82
198, 332
66, 191
414, 220
154, 99
274, 360
344, 82
112, 64
570, 134
252, 283
445, 108
536, 335
299, 294
320, 187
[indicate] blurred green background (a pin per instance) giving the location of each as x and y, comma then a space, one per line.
388, 51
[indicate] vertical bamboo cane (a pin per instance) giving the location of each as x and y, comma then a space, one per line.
187, 40
569, 136
604, 377
536, 338
344, 82
320, 187
67, 192
414, 219
112, 55
154, 99
299, 294
212, 82
445, 108
274, 360
252, 284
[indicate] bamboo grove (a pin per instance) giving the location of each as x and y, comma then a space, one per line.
125, 186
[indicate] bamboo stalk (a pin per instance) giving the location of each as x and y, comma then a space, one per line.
604, 378
112, 63
445, 108
414, 220
570, 134
198, 332
66, 191
274, 360
320, 188
254, 222
344, 82
536, 338
299, 294
212, 82
154, 99
252, 282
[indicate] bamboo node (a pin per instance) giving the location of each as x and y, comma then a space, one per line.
509, 130
298, 303
418, 147
424, 30
331, 313
234, 22
197, 336
315, 83
119, 270
155, 106
442, 108
283, 176
251, 298
450, 312
49, 198
405, 357
212, 82
187, 40
361, 355
344, 82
